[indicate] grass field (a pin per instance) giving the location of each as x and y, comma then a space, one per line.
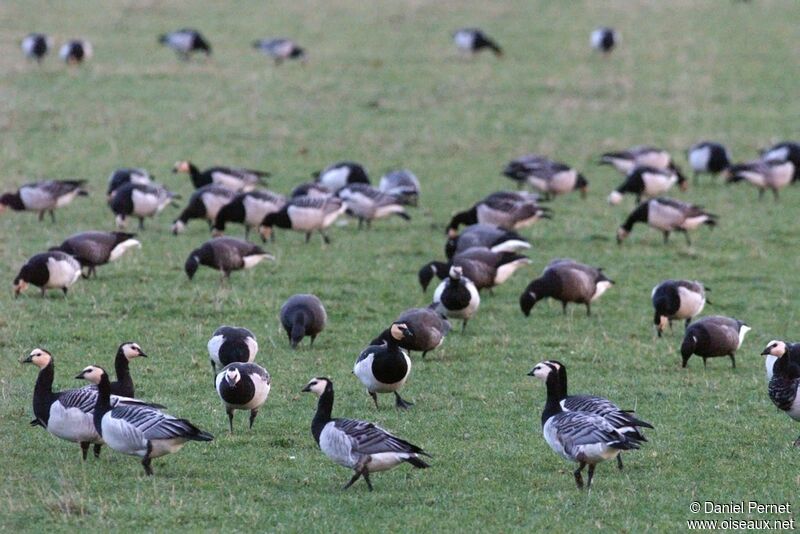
384, 86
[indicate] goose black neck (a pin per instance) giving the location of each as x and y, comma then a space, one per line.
124, 380
466, 218
553, 405
43, 393
637, 215
198, 179
785, 368
323, 415
103, 403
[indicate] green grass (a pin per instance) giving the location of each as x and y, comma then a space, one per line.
686, 70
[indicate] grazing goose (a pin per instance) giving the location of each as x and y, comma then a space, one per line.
231, 344
185, 42
140, 201
472, 40
225, 254
243, 386
280, 49
75, 52
358, 445
36, 45
485, 268
643, 156
784, 386
402, 184
384, 368
127, 175
708, 157
775, 349
340, 174
141, 431
505, 209
248, 209
311, 189
44, 196
457, 297
567, 281
713, 336
784, 151
97, 248
303, 315
485, 235
668, 215
428, 326
604, 39
764, 174
624, 421
48, 270
304, 214
234, 178
677, 299
367, 203
550, 177
578, 436
647, 181
204, 203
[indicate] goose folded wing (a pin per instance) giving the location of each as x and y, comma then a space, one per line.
57, 188
153, 424
580, 429
367, 438
604, 408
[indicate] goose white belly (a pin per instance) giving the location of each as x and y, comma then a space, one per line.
600, 288
623, 165
213, 204
72, 424
305, 219
144, 204
383, 461
255, 210
691, 304
335, 179
655, 184
385, 211
464, 40
363, 370
512, 245
563, 182
63, 273
699, 158
659, 160
781, 175
123, 247
63, 200
260, 395
539, 183
755, 178
162, 447
794, 411
253, 260
693, 222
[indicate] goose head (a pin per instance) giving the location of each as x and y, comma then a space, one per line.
774, 348
131, 350
318, 386
400, 331
232, 376
91, 374
38, 357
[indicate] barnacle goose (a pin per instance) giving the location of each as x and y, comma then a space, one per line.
280, 49
713, 336
36, 45
777, 348
641, 155
185, 41
578, 436
234, 178
304, 214
303, 315
248, 209
123, 385
647, 181
127, 175
485, 268
550, 177
75, 52
708, 157
311, 189
784, 386
604, 39
140, 201
141, 431
490, 236
44, 196
784, 151
473, 40
677, 299
358, 445
384, 368
48, 270
92, 249
243, 386
225, 254
457, 297
623, 421
204, 203
367, 203
668, 215
764, 174
340, 174
567, 281
429, 328
231, 344
505, 209
402, 184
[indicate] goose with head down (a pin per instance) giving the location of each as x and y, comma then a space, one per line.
225, 254
485, 268
490, 236
93, 249
48, 270
140, 201
677, 299
234, 178
304, 214
385, 367
507, 209
248, 209
567, 281
205, 203
713, 336
43, 197
667, 215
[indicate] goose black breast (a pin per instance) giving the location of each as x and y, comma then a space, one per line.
390, 369
456, 296
667, 299
243, 393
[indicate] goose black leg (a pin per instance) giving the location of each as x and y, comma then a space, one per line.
666, 237
578, 476
93, 271
308, 237
704, 363
374, 397
360, 223
97, 447
146, 460
41, 216
733, 361
365, 474
400, 403
760, 194
312, 341
64, 289
775, 194
564, 307
688, 239
696, 181
84, 449
686, 324
464, 325
43, 290
230, 420
619, 461
352, 480
588, 309
253, 414
52, 216
591, 475
797, 442
325, 238
424, 353
141, 223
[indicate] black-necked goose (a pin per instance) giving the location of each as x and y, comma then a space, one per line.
648, 182
429, 328
234, 178
204, 203
604, 39
358, 445
280, 49
311, 189
384, 368
36, 45
141, 431
578, 436
340, 174
505, 209
303, 315
123, 385
225, 254
667, 215
243, 386
185, 42
457, 297
248, 209
231, 344
140, 201
784, 151
567, 281
764, 174
485, 268
708, 157
713, 336
777, 348
642, 155
75, 52
624, 421
127, 175
485, 235
473, 40
677, 299
48, 270
402, 184
552, 178
305, 214
784, 388
367, 203
44, 196
92, 249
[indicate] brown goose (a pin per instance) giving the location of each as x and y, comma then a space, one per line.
225, 254
506, 209
92, 249
713, 336
429, 327
303, 315
567, 281
485, 268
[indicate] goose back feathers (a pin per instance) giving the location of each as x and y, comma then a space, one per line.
303, 315
225, 254
93, 249
667, 215
567, 281
140, 201
43, 197
713, 336
205, 203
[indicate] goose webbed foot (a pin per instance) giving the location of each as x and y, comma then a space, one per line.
52, 216
400, 403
